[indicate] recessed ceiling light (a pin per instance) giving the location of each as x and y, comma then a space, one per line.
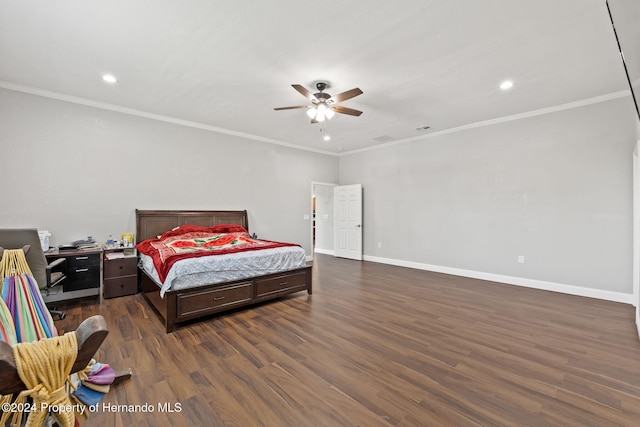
326, 138
109, 78
507, 84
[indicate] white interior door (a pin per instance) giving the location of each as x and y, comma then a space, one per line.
348, 221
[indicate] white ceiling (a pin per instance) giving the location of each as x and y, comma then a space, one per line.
227, 64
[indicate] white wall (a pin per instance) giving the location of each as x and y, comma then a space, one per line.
554, 188
78, 171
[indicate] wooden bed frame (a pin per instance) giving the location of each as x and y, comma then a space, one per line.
194, 303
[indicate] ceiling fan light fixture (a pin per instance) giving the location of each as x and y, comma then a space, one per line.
323, 105
329, 113
321, 112
311, 112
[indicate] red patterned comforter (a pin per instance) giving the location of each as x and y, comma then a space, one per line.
190, 241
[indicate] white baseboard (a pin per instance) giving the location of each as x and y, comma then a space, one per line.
309, 258
512, 280
638, 320
323, 251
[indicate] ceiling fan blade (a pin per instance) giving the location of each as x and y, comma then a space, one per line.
347, 95
291, 108
303, 90
345, 110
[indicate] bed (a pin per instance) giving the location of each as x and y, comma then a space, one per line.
180, 298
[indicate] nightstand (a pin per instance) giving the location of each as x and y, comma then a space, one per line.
120, 273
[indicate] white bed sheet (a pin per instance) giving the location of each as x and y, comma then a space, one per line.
192, 272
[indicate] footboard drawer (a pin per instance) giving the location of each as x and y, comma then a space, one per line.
194, 304
282, 284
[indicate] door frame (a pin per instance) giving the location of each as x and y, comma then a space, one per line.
636, 235
313, 184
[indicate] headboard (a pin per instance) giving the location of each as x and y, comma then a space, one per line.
150, 224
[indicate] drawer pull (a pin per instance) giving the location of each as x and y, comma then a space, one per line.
218, 298
82, 257
283, 284
81, 270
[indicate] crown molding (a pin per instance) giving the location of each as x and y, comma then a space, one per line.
134, 112
147, 115
519, 116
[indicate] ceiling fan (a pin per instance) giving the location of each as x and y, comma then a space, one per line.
323, 106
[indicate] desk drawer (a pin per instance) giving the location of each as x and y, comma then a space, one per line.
282, 284
82, 261
83, 269
213, 300
80, 277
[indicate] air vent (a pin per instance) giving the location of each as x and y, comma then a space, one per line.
423, 128
384, 138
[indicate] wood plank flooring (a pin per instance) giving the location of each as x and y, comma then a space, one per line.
377, 345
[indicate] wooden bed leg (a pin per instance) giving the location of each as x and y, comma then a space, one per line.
168, 326
171, 313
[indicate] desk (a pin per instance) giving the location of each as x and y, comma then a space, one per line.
83, 269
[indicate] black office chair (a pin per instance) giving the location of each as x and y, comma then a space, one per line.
46, 275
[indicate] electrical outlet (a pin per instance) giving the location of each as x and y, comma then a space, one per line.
521, 259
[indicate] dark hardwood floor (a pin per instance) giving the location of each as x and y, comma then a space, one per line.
377, 345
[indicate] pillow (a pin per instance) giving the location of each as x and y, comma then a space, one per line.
228, 228
184, 229
220, 228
